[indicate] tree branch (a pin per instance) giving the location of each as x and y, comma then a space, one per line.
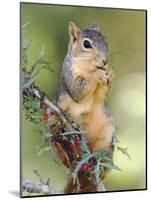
45, 189
39, 188
101, 187
64, 141
41, 96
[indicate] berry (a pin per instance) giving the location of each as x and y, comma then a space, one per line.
45, 117
85, 167
44, 106
78, 141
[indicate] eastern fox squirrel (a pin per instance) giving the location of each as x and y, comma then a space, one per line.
84, 84
85, 81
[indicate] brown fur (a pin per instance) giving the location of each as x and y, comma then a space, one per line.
84, 84
98, 126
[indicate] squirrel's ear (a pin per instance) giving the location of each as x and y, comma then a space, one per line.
74, 32
94, 26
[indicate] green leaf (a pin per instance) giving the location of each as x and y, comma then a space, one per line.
24, 25
97, 172
40, 61
45, 149
106, 158
28, 84
115, 140
42, 51
34, 105
48, 135
26, 44
110, 166
124, 151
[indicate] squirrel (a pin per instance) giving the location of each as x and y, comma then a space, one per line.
84, 83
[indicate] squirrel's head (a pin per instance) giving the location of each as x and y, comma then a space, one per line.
88, 44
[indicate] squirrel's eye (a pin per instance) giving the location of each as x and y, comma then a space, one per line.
86, 44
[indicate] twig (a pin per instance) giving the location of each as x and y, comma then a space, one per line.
39, 188
36, 92
101, 187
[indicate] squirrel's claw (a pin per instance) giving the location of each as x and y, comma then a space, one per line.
106, 76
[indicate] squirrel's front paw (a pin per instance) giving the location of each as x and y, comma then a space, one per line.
106, 76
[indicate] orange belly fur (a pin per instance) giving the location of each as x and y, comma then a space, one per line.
98, 127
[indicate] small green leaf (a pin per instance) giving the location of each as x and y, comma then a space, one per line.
45, 149
24, 25
42, 51
115, 140
39, 62
97, 172
106, 158
124, 151
26, 44
48, 135
110, 166
28, 83
35, 105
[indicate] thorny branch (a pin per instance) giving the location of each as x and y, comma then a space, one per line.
42, 187
40, 95
39, 188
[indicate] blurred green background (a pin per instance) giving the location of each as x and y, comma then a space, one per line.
125, 31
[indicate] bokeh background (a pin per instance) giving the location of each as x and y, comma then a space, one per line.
125, 31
